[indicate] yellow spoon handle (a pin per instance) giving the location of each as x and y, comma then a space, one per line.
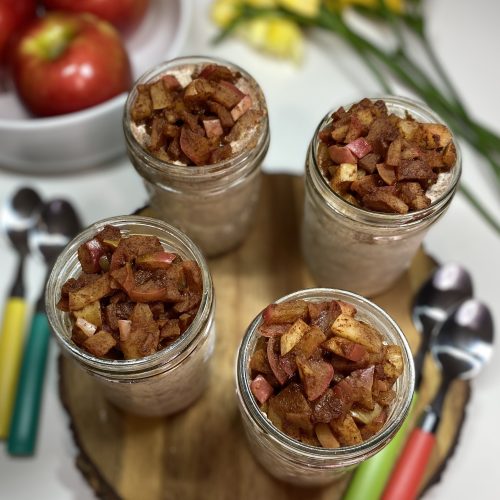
11, 345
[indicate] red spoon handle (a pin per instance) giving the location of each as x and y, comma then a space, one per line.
410, 469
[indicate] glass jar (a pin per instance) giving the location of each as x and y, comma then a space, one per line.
164, 382
353, 248
291, 460
212, 204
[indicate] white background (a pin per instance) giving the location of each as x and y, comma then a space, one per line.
467, 39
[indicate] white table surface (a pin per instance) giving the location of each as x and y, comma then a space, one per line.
467, 39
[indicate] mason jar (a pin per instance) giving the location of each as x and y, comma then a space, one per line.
162, 383
349, 247
291, 460
213, 204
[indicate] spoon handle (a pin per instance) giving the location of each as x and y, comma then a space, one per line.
24, 425
369, 478
11, 344
409, 472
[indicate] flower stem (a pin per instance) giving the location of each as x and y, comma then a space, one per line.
473, 201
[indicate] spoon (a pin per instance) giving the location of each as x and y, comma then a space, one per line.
447, 287
19, 216
462, 346
58, 224
444, 290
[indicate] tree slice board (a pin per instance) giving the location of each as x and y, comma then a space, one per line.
201, 452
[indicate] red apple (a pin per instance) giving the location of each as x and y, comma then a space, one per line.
66, 62
124, 14
13, 15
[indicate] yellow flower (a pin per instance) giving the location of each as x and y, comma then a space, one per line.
224, 11
306, 8
276, 35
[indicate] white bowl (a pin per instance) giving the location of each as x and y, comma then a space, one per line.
92, 136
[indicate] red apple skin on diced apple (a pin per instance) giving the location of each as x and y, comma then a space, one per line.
274, 330
360, 147
157, 260
261, 389
213, 128
241, 108
273, 358
286, 312
89, 254
66, 62
170, 82
341, 154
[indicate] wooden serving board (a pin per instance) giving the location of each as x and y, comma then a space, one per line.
201, 453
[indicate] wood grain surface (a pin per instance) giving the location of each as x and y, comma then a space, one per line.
201, 453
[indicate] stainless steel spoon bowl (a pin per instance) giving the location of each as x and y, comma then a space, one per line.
448, 286
19, 216
58, 224
464, 343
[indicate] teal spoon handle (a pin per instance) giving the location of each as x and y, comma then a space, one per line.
369, 478
24, 424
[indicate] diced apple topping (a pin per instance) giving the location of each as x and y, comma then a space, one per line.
213, 128
261, 389
393, 151
342, 154
358, 332
293, 336
346, 431
325, 436
315, 375
322, 375
345, 348
146, 300
195, 124
343, 176
100, 344
86, 327
241, 108
286, 312
360, 147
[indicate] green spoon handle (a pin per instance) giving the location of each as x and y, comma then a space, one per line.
24, 425
369, 478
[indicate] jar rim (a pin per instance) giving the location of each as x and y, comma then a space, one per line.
203, 172
402, 104
348, 454
67, 266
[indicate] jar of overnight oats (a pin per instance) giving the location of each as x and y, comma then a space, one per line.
212, 203
291, 460
366, 251
161, 383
